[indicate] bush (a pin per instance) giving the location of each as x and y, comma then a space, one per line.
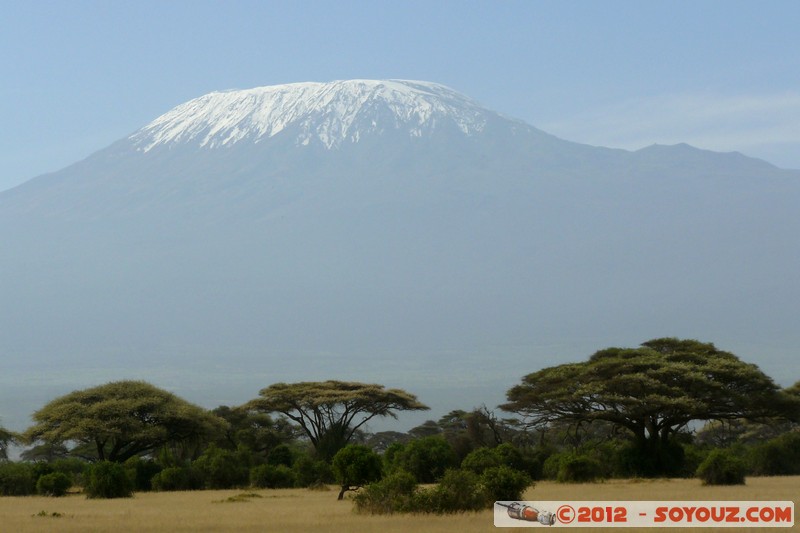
777, 457
72, 467
636, 461
222, 469
16, 479
505, 454
578, 469
481, 459
504, 483
721, 467
458, 491
107, 480
551, 465
280, 455
177, 478
427, 458
272, 477
55, 484
393, 494
141, 472
355, 465
310, 472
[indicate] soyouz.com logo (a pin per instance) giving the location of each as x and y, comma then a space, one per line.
644, 514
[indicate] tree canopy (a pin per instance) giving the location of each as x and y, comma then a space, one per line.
330, 412
121, 419
6, 438
653, 390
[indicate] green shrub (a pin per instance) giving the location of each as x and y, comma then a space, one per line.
504, 483
457, 491
72, 467
393, 494
280, 455
481, 459
578, 469
16, 479
551, 465
222, 469
355, 465
721, 467
107, 480
777, 457
310, 472
633, 460
55, 484
427, 458
272, 477
177, 478
141, 472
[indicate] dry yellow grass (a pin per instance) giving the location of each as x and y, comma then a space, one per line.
303, 510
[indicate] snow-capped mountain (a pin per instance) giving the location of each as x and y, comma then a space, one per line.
386, 231
328, 113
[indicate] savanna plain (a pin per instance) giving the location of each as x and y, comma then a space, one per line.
301, 510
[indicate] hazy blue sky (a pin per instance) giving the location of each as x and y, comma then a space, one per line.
724, 75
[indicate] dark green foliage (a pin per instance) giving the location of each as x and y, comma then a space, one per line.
721, 467
393, 494
481, 459
141, 472
272, 477
573, 468
17, 479
257, 431
457, 491
280, 455
505, 454
310, 472
222, 469
54, 484
106, 479
178, 478
504, 483
693, 457
355, 465
636, 459
552, 464
427, 458
777, 457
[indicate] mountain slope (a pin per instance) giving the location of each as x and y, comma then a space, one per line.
389, 231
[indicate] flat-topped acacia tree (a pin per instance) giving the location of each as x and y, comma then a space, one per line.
653, 391
329, 412
122, 419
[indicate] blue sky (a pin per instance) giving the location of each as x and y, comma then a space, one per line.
722, 75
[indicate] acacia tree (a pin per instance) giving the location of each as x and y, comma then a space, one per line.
653, 391
330, 412
122, 419
6, 438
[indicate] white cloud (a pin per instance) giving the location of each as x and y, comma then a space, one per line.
765, 126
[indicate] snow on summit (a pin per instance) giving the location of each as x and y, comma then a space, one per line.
328, 113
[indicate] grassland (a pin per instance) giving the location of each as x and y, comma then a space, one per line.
295, 510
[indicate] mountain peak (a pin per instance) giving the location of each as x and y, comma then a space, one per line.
327, 113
